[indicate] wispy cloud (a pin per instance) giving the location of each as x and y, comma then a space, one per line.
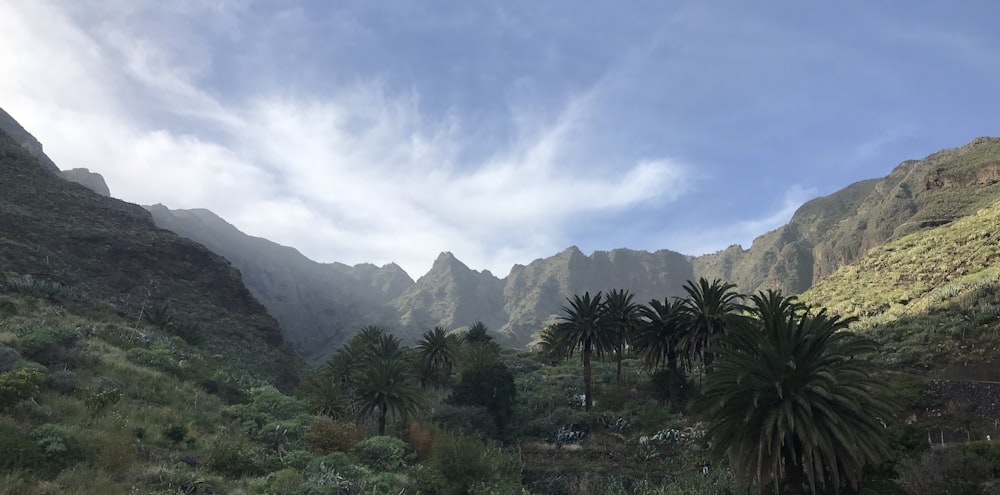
359, 173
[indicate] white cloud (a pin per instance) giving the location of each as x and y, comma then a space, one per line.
357, 174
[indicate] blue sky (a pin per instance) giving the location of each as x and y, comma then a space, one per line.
367, 131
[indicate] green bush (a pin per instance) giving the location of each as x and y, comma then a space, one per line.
232, 455
19, 385
60, 448
467, 462
47, 345
157, 358
383, 453
175, 433
64, 381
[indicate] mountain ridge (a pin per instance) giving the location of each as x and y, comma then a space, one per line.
320, 305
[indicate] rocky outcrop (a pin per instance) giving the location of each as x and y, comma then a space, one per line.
91, 180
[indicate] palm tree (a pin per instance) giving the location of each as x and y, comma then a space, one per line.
477, 333
584, 324
548, 343
437, 352
623, 313
709, 309
384, 389
658, 340
383, 347
794, 402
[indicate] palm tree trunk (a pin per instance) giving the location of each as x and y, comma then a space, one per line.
672, 385
795, 478
618, 378
588, 403
708, 358
381, 421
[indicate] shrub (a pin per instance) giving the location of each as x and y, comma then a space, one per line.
47, 345
490, 387
421, 440
19, 385
159, 315
326, 435
107, 392
59, 447
192, 333
329, 474
231, 455
383, 453
465, 420
158, 358
7, 309
63, 381
9, 358
175, 433
465, 462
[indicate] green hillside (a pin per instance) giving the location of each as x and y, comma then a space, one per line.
932, 297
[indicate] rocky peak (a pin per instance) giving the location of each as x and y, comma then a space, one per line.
91, 180
27, 141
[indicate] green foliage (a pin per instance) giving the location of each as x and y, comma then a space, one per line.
65, 382
792, 401
160, 316
175, 433
383, 453
18, 385
470, 466
952, 471
46, 450
233, 455
47, 344
490, 387
583, 324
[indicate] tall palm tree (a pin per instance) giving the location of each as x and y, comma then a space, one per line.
384, 389
584, 325
709, 309
437, 352
623, 313
383, 347
658, 340
794, 402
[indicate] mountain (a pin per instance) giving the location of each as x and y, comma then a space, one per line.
93, 253
828, 232
319, 305
93, 181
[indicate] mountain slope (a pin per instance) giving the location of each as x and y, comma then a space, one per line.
932, 297
828, 232
319, 305
57, 234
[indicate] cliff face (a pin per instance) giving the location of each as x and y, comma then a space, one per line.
56, 232
319, 305
835, 230
24, 138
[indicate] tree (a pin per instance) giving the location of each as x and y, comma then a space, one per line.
658, 341
384, 389
490, 386
477, 334
709, 309
623, 314
584, 325
437, 353
794, 402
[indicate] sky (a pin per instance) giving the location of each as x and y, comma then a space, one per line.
501, 131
